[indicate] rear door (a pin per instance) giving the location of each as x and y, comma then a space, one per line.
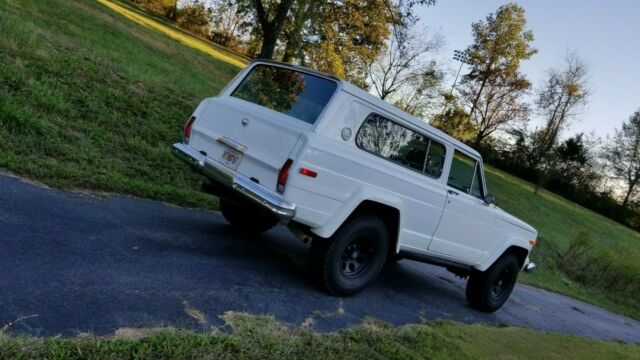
467, 222
253, 127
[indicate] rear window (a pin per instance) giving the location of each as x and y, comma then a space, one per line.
290, 92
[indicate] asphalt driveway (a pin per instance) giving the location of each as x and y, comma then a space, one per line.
74, 263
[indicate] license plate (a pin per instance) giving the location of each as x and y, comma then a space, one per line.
231, 158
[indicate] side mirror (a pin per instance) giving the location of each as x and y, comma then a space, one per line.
489, 199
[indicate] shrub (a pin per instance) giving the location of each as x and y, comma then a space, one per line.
608, 270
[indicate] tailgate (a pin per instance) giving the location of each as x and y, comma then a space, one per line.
251, 140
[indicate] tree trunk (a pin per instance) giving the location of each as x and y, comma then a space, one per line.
269, 41
294, 43
632, 185
478, 140
271, 29
475, 101
538, 186
288, 53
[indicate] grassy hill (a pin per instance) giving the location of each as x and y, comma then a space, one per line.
92, 94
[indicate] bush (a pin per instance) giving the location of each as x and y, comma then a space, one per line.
195, 17
608, 270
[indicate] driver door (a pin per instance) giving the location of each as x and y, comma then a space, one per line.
467, 221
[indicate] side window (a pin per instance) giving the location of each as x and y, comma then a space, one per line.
400, 145
465, 174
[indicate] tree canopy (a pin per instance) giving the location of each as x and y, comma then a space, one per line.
494, 87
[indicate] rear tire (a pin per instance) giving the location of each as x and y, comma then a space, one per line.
488, 290
352, 258
245, 219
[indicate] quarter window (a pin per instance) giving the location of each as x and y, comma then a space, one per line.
400, 145
465, 174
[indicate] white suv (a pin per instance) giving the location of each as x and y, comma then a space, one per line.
364, 181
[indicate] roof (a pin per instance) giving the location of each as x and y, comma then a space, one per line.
368, 97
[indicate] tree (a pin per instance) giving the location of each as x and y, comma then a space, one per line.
455, 122
195, 16
563, 93
405, 62
271, 16
493, 87
576, 170
419, 95
166, 8
228, 22
499, 104
349, 36
298, 30
623, 156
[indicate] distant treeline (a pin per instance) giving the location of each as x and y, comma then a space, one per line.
577, 172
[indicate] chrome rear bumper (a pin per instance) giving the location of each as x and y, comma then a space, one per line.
256, 193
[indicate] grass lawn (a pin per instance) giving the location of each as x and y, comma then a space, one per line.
559, 220
91, 99
250, 337
93, 93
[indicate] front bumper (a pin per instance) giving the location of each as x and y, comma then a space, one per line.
530, 267
242, 185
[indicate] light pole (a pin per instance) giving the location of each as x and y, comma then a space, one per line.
461, 56
464, 59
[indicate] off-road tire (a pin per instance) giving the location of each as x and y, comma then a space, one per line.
246, 220
488, 290
352, 258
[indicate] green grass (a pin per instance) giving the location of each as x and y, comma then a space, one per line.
558, 221
249, 337
93, 93
91, 99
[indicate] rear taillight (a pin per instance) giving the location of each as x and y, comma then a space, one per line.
283, 175
187, 129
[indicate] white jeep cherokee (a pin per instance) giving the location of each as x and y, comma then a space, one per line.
364, 181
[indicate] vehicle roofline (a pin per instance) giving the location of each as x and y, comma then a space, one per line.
297, 67
368, 97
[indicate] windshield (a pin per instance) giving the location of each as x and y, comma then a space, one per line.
300, 95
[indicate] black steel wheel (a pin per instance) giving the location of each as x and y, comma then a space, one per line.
488, 290
353, 257
356, 257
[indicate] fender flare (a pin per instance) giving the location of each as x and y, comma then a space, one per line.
495, 255
352, 203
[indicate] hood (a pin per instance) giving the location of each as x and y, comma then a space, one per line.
508, 218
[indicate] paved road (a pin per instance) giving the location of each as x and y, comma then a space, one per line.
86, 264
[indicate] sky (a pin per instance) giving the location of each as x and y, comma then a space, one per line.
605, 34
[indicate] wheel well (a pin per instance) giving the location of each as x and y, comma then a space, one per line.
520, 253
388, 214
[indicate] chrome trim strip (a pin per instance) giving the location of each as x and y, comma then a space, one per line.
232, 144
280, 207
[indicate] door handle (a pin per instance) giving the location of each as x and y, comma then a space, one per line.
451, 192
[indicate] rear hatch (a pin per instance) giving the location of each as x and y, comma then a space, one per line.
252, 129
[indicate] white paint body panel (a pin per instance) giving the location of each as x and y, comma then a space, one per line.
457, 228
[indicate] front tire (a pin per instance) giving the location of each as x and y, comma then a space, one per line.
246, 220
353, 257
488, 290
